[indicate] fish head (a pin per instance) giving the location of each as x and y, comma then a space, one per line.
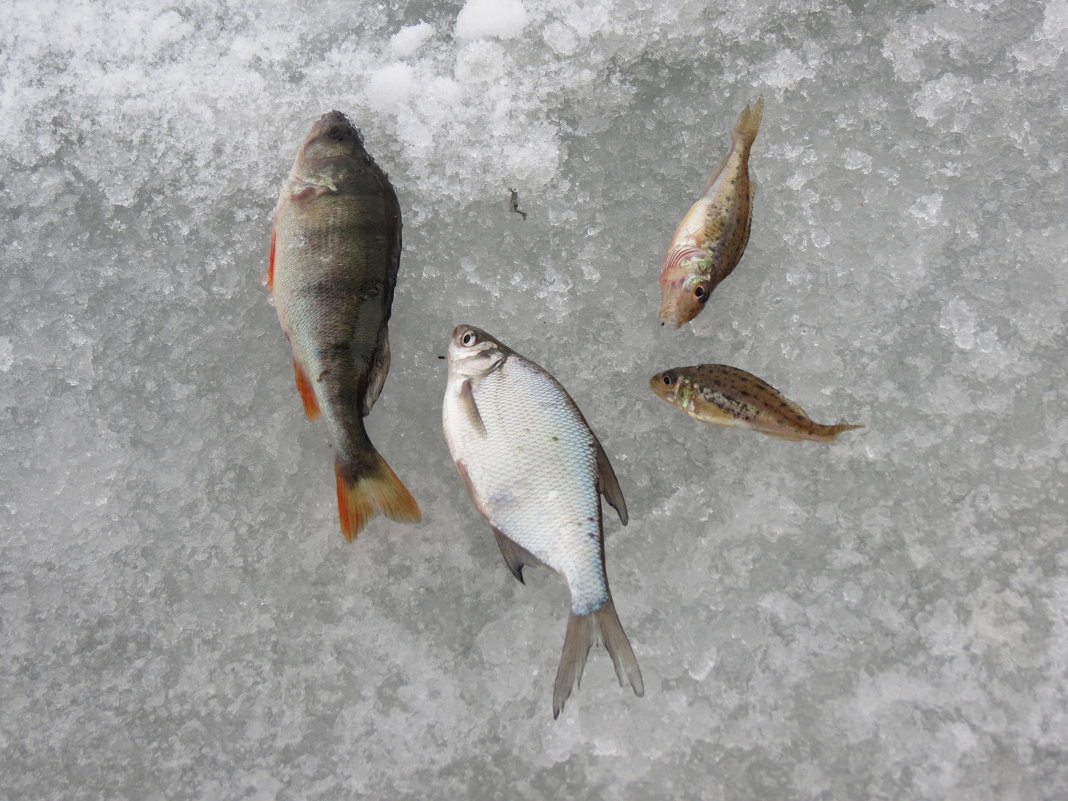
331, 137
685, 287
665, 385
473, 353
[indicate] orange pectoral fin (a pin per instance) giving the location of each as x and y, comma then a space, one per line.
269, 280
307, 394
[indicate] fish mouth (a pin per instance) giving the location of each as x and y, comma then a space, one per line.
335, 127
671, 316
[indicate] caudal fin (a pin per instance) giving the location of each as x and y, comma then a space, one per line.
368, 487
749, 122
582, 631
830, 433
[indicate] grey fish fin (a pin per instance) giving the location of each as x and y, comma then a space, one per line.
467, 403
717, 171
582, 630
379, 371
515, 555
609, 484
749, 122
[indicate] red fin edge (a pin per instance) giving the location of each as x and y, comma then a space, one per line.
269, 283
307, 394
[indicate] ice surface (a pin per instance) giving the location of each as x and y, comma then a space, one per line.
881, 618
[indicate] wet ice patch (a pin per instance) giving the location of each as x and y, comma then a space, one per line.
7, 354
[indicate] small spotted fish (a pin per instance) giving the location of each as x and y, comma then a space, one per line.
727, 396
712, 236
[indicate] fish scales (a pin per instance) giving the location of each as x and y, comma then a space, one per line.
535, 471
550, 456
335, 253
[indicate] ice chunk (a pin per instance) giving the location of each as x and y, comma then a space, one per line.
410, 38
484, 19
960, 320
389, 88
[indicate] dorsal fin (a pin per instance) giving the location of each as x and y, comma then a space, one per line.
609, 484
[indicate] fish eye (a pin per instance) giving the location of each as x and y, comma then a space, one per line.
701, 293
468, 339
669, 379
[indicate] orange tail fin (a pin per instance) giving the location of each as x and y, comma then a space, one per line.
370, 487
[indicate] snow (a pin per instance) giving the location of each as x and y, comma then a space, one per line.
481, 19
884, 617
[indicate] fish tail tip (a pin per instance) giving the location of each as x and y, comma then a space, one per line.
839, 428
374, 489
582, 631
616, 643
749, 121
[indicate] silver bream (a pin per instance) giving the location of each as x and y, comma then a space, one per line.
535, 471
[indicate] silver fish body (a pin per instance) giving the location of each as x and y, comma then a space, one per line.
535, 471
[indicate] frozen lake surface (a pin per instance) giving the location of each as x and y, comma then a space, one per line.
885, 617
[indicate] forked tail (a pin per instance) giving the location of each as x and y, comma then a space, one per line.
582, 630
367, 486
749, 122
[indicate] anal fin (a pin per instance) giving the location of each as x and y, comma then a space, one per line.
307, 392
515, 555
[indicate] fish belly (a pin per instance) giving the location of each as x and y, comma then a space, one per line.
534, 471
333, 292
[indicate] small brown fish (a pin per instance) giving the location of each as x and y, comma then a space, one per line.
727, 396
712, 236
335, 251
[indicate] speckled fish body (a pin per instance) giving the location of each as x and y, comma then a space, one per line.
727, 396
712, 236
335, 251
535, 471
